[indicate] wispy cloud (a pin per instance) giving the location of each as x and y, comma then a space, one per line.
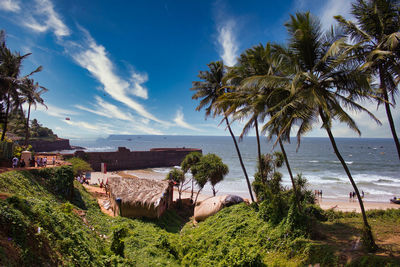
10, 5
44, 18
227, 41
55, 111
94, 58
108, 110
333, 8
179, 120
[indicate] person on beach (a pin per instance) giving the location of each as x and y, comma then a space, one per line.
362, 193
22, 163
354, 194
54, 160
41, 162
351, 195
15, 162
320, 193
45, 161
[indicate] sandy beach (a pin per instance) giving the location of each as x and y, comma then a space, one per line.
344, 205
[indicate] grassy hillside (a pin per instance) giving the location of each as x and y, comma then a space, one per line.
77, 233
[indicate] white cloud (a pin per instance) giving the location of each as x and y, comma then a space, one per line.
108, 110
88, 126
10, 5
55, 111
44, 18
179, 120
227, 40
333, 8
94, 58
138, 89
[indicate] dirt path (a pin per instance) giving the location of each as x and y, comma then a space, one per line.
101, 197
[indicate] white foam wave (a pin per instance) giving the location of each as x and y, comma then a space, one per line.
313, 161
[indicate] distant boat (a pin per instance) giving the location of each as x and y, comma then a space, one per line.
67, 119
129, 139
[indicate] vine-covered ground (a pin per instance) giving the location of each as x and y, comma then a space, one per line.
44, 223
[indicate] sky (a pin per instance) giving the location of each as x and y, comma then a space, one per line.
126, 67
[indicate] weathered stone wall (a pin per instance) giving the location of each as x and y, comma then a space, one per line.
47, 146
124, 159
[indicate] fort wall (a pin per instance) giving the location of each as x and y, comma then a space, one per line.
124, 159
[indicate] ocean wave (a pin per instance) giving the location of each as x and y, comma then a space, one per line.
104, 148
313, 161
162, 170
331, 178
337, 162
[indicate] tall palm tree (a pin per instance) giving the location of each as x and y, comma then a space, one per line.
31, 94
323, 83
376, 34
10, 80
209, 90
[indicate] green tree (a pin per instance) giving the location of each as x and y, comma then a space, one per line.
10, 80
79, 166
210, 168
31, 94
376, 35
178, 177
323, 83
190, 160
209, 90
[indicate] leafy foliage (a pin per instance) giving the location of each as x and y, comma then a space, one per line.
79, 166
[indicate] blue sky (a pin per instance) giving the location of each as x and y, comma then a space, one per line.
125, 67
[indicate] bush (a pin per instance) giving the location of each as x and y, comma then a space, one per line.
79, 166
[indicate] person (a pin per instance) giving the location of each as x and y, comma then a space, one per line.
362, 193
351, 195
320, 193
354, 194
32, 162
41, 162
45, 161
22, 163
15, 162
54, 160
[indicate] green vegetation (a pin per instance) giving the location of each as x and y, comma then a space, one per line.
77, 233
79, 166
315, 77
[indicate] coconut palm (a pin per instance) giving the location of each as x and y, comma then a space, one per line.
31, 94
376, 36
323, 84
10, 80
209, 90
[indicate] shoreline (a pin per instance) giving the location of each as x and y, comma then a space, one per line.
338, 204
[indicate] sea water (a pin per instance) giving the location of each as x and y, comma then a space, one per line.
373, 163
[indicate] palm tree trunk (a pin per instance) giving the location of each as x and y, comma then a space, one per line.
367, 228
27, 126
259, 151
191, 195
388, 112
240, 159
3, 135
290, 174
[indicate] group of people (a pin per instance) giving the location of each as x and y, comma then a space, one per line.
40, 162
318, 193
82, 179
353, 195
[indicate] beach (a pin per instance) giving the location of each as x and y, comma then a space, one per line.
339, 204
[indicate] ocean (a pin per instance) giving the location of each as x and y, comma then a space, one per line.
373, 162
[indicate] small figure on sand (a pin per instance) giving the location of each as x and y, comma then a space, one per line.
362, 193
320, 193
351, 195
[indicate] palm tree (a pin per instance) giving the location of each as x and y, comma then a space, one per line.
209, 90
10, 82
31, 94
376, 35
323, 83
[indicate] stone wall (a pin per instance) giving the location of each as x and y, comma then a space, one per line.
124, 159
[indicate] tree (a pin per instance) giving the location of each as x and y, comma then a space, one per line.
10, 82
376, 36
211, 169
178, 177
79, 166
31, 93
323, 83
190, 160
208, 90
